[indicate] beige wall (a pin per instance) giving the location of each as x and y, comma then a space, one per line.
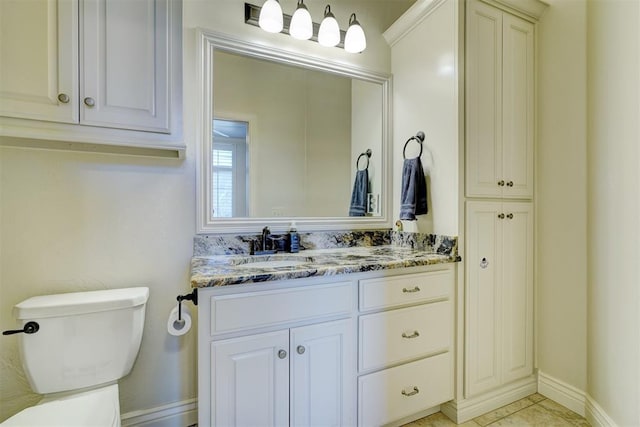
561, 194
425, 97
613, 366
81, 221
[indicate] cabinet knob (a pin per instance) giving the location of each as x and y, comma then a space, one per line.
300, 349
484, 263
501, 216
282, 354
510, 216
501, 183
89, 102
64, 98
415, 334
510, 184
410, 291
411, 393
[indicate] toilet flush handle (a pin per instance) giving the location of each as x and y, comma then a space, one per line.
29, 328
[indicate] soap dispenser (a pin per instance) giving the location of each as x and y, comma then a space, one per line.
294, 239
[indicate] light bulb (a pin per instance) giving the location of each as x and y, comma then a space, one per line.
329, 32
271, 17
355, 40
301, 26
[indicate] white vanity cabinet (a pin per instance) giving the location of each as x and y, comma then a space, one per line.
405, 345
364, 349
300, 372
303, 374
72, 68
499, 87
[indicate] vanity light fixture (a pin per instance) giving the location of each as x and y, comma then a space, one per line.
301, 26
355, 40
329, 32
271, 17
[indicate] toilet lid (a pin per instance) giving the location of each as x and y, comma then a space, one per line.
87, 409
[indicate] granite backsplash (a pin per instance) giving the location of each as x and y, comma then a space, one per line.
227, 244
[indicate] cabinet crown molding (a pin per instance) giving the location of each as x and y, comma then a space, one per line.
410, 19
528, 9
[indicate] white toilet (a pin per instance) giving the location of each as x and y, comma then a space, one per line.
85, 342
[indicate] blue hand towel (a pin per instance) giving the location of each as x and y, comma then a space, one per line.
358, 205
413, 197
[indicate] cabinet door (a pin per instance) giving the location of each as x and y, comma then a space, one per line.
499, 284
517, 290
323, 374
39, 59
483, 89
250, 380
484, 309
517, 106
124, 59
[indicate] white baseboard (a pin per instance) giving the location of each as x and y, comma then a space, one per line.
177, 414
462, 411
561, 392
595, 415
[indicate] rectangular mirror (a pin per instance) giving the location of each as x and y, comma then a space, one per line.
283, 138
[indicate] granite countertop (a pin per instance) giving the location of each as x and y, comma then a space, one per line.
223, 270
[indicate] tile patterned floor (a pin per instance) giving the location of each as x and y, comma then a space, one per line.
534, 410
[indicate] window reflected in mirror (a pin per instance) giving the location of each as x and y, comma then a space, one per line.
229, 169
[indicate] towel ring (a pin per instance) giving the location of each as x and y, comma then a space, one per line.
419, 138
368, 155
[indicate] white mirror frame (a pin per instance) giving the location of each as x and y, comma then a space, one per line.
206, 224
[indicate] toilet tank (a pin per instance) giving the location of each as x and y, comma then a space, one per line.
85, 338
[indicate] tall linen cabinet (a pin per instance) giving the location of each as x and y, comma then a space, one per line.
498, 313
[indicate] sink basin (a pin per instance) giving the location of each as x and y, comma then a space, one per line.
276, 263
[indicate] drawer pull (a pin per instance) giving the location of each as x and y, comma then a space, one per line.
410, 291
411, 393
282, 354
415, 334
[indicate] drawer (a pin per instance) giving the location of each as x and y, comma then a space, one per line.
400, 290
398, 392
398, 335
235, 312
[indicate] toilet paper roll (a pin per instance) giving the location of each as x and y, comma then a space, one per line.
177, 327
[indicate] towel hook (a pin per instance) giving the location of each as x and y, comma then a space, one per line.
368, 156
419, 138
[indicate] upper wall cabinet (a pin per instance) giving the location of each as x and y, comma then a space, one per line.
499, 103
98, 71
